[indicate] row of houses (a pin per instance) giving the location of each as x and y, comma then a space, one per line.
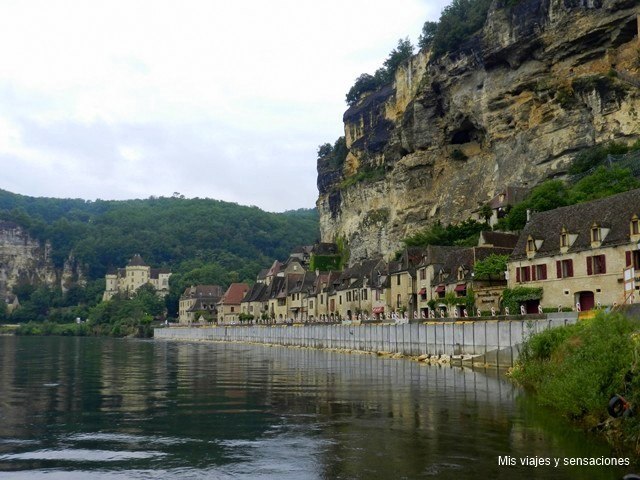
577, 257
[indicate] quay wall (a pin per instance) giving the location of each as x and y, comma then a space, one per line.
496, 342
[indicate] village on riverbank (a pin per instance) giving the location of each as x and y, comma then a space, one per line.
575, 258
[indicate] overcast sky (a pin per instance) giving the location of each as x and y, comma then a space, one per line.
219, 99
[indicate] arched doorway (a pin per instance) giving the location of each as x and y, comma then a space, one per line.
586, 299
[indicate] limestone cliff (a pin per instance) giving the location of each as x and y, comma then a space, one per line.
542, 80
24, 260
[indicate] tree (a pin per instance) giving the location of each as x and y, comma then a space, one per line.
399, 55
486, 212
458, 21
602, 183
547, 196
363, 84
491, 267
429, 30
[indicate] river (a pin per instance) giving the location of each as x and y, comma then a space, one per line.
101, 408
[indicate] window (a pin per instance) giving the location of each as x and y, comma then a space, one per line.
635, 225
596, 265
377, 294
423, 274
540, 272
531, 245
398, 280
321, 298
232, 309
340, 299
595, 234
310, 303
564, 240
523, 274
399, 300
348, 296
564, 268
364, 294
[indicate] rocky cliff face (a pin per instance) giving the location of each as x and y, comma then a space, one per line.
26, 260
511, 107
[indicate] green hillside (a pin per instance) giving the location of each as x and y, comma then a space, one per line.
201, 240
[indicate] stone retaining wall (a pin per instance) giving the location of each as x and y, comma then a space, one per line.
495, 341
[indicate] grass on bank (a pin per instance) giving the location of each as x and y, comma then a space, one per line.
578, 368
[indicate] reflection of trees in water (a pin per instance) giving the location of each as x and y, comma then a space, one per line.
364, 416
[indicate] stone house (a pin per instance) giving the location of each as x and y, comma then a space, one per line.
456, 275
256, 301
502, 202
277, 303
199, 300
581, 255
319, 301
402, 282
432, 264
229, 306
136, 274
298, 297
359, 288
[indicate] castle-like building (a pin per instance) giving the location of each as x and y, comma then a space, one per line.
136, 274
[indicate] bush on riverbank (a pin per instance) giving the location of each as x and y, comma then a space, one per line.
578, 368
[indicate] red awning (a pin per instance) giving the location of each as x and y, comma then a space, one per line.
440, 289
423, 291
461, 288
378, 309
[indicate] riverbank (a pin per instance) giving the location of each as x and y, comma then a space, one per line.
82, 329
577, 370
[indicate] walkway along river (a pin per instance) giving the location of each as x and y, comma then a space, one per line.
492, 342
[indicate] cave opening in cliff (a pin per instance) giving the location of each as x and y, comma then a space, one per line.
467, 132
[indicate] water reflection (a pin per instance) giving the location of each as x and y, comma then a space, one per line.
109, 408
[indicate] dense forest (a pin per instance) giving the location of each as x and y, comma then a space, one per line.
200, 240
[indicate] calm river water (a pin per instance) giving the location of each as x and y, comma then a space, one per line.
97, 408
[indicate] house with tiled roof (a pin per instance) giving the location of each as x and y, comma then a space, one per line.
434, 260
277, 299
136, 274
359, 288
324, 288
402, 284
229, 306
456, 275
199, 301
581, 255
255, 303
504, 200
298, 297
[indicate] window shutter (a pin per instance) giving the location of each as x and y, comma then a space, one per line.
603, 264
518, 274
569, 268
533, 272
559, 268
628, 258
589, 265
543, 272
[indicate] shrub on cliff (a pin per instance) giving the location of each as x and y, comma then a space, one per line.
333, 155
369, 83
458, 21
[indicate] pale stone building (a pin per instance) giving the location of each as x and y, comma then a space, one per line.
581, 255
229, 306
199, 300
136, 274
